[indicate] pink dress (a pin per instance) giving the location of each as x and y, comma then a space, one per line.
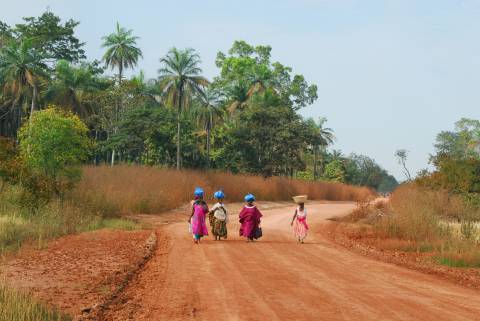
300, 226
249, 218
199, 225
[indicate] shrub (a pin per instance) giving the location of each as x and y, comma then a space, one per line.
52, 144
9, 165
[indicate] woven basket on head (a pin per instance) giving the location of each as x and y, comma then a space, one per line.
300, 199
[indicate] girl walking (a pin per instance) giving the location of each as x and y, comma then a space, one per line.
219, 217
299, 222
198, 216
250, 218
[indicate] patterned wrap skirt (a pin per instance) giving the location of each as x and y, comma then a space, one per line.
219, 228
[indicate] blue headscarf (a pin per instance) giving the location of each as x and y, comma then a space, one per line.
219, 195
198, 192
249, 198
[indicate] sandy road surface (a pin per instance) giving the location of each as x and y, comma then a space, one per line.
279, 279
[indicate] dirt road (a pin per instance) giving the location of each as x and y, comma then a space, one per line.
279, 279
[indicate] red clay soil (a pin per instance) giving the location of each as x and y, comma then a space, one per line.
76, 271
348, 235
277, 278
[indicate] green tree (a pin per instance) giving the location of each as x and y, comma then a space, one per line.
122, 51
50, 37
147, 134
457, 162
363, 170
180, 80
247, 66
335, 171
22, 66
208, 112
320, 137
462, 143
267, 139
52, 144
5, 34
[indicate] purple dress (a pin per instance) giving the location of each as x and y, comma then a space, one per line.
199, 225
250, 219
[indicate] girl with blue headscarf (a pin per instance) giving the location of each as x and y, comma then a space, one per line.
219, 217
198, 217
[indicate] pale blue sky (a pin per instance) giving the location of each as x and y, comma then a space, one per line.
391, 74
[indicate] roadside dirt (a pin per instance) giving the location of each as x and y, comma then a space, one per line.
349, 236
76, 271
278, 279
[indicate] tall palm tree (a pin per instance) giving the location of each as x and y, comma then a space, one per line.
21, 67
72, 86
323, 137
208, 112
180, 79
122, 51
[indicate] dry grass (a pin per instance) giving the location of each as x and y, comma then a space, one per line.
57, 218
15, 306
367, 212
416, 216
134, 189
420, 220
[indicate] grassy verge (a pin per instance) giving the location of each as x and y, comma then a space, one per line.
15, 306
58, 218
422, 221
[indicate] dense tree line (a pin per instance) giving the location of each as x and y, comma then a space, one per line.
244, 120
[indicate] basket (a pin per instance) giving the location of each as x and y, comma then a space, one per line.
300, 199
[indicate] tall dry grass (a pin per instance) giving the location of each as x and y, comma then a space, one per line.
133, 189
18, 224
424, 220
417, 216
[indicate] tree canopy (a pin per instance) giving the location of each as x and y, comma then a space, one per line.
244, 120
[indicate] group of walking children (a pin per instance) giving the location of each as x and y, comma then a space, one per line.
249, 218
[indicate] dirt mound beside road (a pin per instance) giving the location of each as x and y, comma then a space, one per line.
77, 271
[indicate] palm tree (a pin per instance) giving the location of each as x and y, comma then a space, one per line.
22, 66
121, 53
322, 138
208, 112
72, 86
121, 50
180, 80
238, 94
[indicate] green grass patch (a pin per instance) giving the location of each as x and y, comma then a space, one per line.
459, 261
119, 224
15, 306
418, 248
